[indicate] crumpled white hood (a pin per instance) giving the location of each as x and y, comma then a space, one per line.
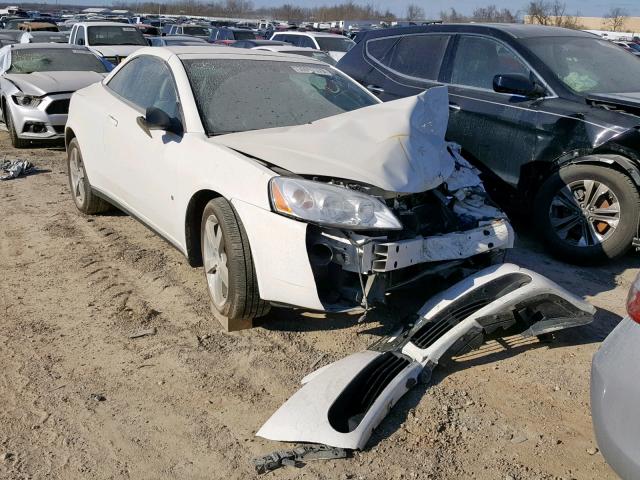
397, 146
41, 83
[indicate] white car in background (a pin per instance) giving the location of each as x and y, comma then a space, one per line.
303, 51
288, 181
334, 44
36, 83
112, 41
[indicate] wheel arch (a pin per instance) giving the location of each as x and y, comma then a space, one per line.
69, 135
534, 174
193, 217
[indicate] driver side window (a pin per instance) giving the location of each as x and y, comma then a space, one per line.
147, 82
80, 40
479, 59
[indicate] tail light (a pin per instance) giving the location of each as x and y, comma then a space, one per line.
633, 300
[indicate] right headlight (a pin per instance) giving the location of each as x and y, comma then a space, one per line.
330, 205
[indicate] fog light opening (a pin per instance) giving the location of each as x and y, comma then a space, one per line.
320, 254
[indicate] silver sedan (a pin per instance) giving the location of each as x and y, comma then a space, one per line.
615, 392
36, 83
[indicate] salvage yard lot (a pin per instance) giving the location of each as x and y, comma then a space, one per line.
79, 398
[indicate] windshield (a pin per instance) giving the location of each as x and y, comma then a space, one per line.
634, 46
54, 60
335, 44
242, 95
317, 54
115, 35
195, 31
588, 65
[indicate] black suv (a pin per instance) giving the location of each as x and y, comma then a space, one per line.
550, 113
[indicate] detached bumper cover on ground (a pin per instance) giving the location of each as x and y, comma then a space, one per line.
341, 403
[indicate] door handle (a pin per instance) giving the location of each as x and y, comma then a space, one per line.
376, 90
454, 107
114, 120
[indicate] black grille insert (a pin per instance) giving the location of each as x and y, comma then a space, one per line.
350, 407
427, 334
58, 107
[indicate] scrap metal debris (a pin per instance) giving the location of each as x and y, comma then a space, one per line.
297, 457
16, 168
143, 333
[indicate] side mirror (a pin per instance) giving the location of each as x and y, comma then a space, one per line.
156, 119
518, 85
80, 41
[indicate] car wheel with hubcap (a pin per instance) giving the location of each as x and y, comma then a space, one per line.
83, 196
228, 267
587, 213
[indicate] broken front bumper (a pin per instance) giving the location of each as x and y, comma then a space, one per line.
318, 268
44, 122
341, 403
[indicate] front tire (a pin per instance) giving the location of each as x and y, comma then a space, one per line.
16, 142
587, 213
86, 201
228, 267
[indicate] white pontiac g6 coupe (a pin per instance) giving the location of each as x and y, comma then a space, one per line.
290, 183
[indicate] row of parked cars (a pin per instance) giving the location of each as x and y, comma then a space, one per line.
544, 112
293, 182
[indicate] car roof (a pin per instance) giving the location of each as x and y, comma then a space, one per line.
312, 34
212, 51
105, 24
48, 34
27, 46
182, 37
514, 30
266, 43
290, 48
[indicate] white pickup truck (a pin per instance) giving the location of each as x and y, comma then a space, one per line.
111, 40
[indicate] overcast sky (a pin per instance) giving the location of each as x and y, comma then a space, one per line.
596, 8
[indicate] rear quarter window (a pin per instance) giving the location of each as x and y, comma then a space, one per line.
416, 56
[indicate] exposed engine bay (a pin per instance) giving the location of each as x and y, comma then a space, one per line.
453, 226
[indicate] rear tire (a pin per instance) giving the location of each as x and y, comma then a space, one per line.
86, 201
228, 267
587, 214
16, 142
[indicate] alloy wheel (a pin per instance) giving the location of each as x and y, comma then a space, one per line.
76, 172
215, 262
585, 213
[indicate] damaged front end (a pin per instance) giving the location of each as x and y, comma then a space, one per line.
451, 227
340, 404
386, 200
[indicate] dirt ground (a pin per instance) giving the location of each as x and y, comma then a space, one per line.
185, 403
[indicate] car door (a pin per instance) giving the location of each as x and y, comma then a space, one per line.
497, 129
404, 65
145, 163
